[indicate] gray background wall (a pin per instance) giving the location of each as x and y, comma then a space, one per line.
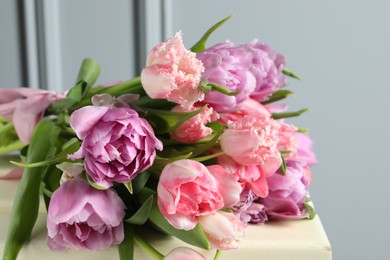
340, 48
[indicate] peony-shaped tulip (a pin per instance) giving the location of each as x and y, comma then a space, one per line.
248, 210
82, 217
268, 70
186, 191
287, 193
194, 129
253, 140
250, 69
172, 72
117, 143
25, 107
223, 230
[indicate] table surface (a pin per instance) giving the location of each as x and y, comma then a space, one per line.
282, 240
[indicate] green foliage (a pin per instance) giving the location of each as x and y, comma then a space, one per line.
201, 44
25, 210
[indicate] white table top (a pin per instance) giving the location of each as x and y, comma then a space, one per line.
282, 240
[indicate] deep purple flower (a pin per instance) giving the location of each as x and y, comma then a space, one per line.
287, 193
253, 69
117, 143
82, 217
248, 210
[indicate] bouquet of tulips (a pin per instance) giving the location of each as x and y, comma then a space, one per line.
195, 148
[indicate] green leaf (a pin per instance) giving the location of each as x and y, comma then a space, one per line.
222, 90
140, 181
309, 210
25, 209
289, 114
201, 44
168, 121
291, 74
142, 214
195, 237
283, 167
71, 147
9, 140
88, 74
126, 247
303, 130
93, 184
278, 95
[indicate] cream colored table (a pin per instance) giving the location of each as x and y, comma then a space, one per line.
293, 240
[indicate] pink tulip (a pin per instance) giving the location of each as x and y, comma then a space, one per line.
248, 107
184, 253
186, 191
253, 140
228, 185
25, 107
194, 129
304, 151
117, 143
223, 230
252, 176
287, 139
82, 217
172, 72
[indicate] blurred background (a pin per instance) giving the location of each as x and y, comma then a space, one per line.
340, 48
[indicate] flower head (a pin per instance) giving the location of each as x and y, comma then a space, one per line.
172, 72
287, 193
117, 143
82, 217
186, 191
25, 107
223, 230
251, 69
253, 140
194, 129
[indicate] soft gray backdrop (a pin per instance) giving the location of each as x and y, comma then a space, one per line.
340, 48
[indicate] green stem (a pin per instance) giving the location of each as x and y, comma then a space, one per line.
147, 247
217, 254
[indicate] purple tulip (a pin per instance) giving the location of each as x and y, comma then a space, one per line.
287, 193
117, 143
82, 217
252, 69
304, 151
248, 210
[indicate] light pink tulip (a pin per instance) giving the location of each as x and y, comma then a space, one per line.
82, 217
25, 107
194, 129
287, 139
186, 191
248, 107
223, 230
184, 253
172, 72
253, 140
228, 185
